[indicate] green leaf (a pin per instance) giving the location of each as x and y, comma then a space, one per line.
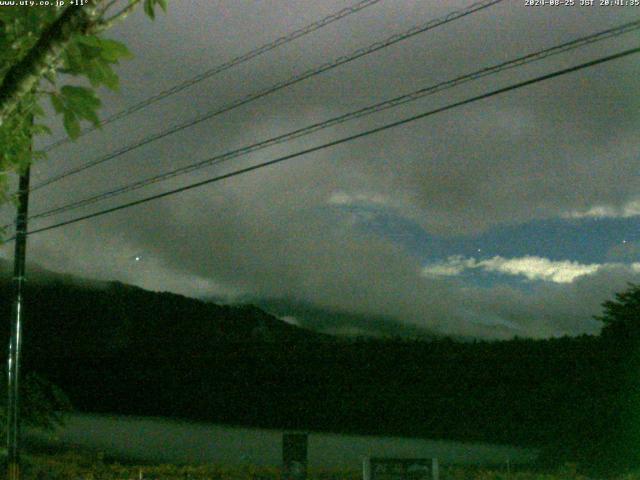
112, 50
89, 115
57, 103
37, 110
80, 95
107, 49
71, 125
100, 73
89, 40
91, 56
73, 59
50, 75
109, 78
95, 74
81, 102
39, 129
88, 52
148, 9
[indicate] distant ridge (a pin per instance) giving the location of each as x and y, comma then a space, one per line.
38, 274
120, 349
339, 323
302, 315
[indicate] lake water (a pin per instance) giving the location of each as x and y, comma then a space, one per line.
164, 440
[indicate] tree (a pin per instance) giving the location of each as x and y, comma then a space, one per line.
616, 449
44, 403
621, 316
41, 42
38, 43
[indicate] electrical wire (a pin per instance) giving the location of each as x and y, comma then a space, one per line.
378, 107
340, 141
312, 27
278, 86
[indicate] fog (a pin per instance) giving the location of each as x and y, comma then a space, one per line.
163, 440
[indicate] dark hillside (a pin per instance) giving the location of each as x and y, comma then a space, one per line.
121, 349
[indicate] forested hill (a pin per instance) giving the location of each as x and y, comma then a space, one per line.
120, 349
65, 319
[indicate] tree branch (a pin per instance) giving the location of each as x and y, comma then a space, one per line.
104, 9
121, 15
24, 75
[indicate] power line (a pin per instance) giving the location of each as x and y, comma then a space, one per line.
342, 140
378, 107
312, 27
278, 86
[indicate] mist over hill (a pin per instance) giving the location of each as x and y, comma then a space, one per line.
115, 348
339, 323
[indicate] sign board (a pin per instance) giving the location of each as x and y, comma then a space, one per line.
376, 468
294, 456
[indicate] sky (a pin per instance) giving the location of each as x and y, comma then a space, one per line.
515, 215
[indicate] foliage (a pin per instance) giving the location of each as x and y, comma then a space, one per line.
621, 316
144, 353
617, 445
149, 7
43, 404
87, 55
91, 466
18, 34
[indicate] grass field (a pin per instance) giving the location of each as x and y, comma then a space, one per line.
72, 465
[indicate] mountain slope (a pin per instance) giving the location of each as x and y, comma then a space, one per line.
120, 349
65, 318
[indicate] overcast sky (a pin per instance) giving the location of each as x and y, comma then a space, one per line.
515, 215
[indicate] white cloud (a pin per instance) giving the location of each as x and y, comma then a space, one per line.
537, 268
630, 209
453, 266
340, 198
290, 320
348, 331
343, 198
531, 267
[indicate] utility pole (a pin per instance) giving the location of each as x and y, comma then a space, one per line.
13, 361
